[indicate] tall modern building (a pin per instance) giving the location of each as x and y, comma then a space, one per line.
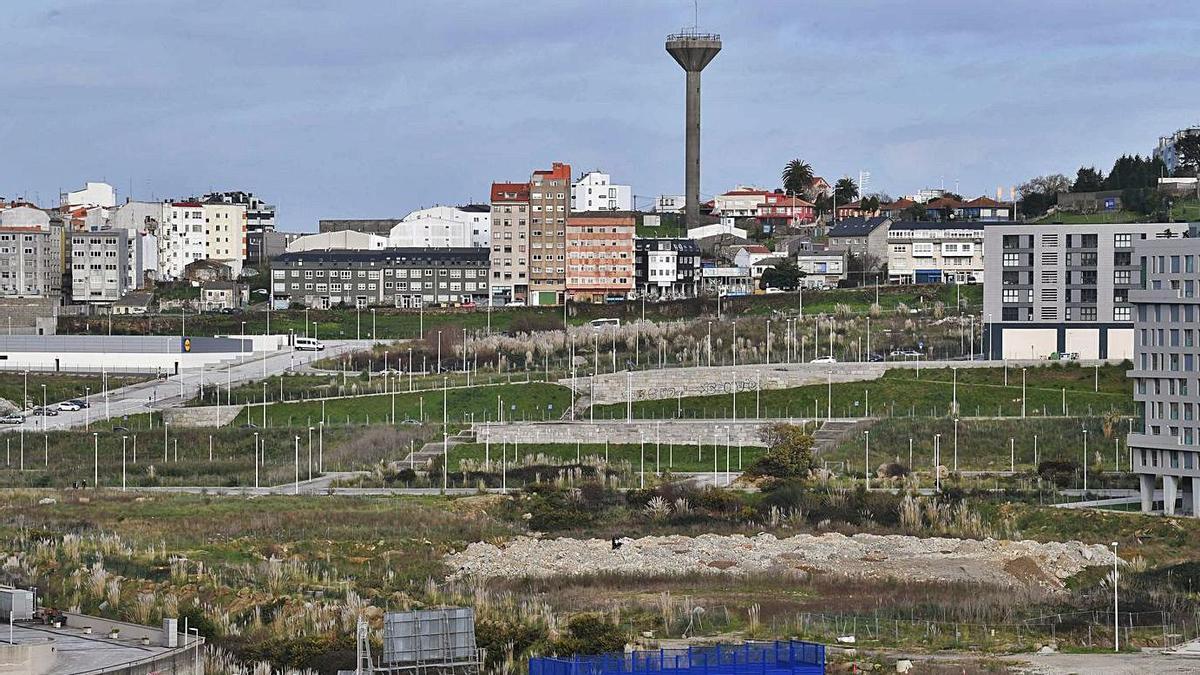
549, 204
1163, 442
100, 265
510, 242
1063, 288
692, 50
595, 191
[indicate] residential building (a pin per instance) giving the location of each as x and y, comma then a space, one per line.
725, 228
262, 246
207, 270
1063, 288
896, 210
667, 268
549, 204
740, 202
137, 216
821, 269
942, 209
397, 277
926, 195
345, 240
862, 237
1165, 150
758, 267
181, 239
1163, 441
855, 209
670, 204
218, 295
600, 258
781, 212
31, 254
225, 230
380, 226
260, 216
935, 253
510, 242
134, 303
100, 266
595, 191
444, 226
726, 280
985, 209
745, 256
92, 195
820, 186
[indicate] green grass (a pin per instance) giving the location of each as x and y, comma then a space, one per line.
661, 457
900, 393
59, 387
983, 445
1101, 217
521, 401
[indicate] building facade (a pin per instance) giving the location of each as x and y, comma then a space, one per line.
741, 202
510, 242
407, 278
862, 237
595, 191
1165, 150
1063, 288
670, 203
458, 226
225, 231
1164, 441
31, 261
935, 253
181, 239
600, 258
341, 240
549, 205
260, 216
667, 268
100, 266
821, 270
781, 211
93, 194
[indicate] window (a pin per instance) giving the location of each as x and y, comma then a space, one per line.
1121, 276
1012, 259
1011, 295
1122, 314
1122, 240
1087, 313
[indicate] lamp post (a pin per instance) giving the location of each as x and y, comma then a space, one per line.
321, 445
123, 463
1116, 605
256, 460
45, 409
937, 462
1022, 392
374, 335
867, 457
1085, 464
87, 413
95, 459
954, 397
296, 485
310, 456
956, 445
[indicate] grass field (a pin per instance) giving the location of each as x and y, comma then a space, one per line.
533, 401
658, 458
303, 387
59, 387
902, 393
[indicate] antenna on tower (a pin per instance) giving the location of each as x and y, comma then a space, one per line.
695, 13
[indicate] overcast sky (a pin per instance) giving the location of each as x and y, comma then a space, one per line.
370, 108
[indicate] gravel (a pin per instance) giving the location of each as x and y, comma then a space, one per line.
1006, 563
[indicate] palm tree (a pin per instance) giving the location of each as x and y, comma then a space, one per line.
846, 190
797, 177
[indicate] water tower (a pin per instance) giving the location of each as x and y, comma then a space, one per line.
693, 50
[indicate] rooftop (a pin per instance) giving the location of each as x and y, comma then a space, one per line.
857, 227
77, 653
510, 192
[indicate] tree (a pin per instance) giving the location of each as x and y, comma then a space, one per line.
785, 275
1088, 179
1146, 201
590, 633
1040, 193
870, 204
797, 177
1188, 149
789, 452
822, 205
914, 212
1134, 172
845, 190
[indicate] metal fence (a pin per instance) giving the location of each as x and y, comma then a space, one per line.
794, 657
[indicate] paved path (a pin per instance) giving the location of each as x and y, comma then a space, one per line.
174, 391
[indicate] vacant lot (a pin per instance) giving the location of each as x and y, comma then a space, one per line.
16, 387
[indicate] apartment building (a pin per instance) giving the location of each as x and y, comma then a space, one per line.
549, 204
225, 230
821, 269
862, 237
935, 253
442, 227
667, 268
780, 211
1165, 150
31, 254
396, 277
260, 217
100, 266
181, 239
740, 202
595, 191
600, 257
510, 242
1063, 288
1163, 443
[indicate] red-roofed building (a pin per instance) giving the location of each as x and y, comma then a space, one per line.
741, 202
986, 208
785, 211
510, 242
895, 210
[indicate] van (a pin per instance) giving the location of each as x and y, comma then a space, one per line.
306, 344
606, 322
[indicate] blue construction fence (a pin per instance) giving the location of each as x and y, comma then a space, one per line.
775, 658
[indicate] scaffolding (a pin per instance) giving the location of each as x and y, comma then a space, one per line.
772, 658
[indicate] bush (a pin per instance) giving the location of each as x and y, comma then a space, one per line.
1058, 472
789, 453
590, 634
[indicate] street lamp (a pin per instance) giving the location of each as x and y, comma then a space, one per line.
1116, 605
956, 445
95, 460
867, 458
1085, 463
87, 415
45, 409
1022, 392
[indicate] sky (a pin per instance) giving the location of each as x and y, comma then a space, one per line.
372, 108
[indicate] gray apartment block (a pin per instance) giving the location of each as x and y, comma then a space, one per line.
1063, 288
397, 277
100, 265
1165, 437
31, 262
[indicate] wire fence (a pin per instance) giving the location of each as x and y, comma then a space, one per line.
779, 657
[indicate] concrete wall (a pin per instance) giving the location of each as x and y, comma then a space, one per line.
27, 658
678, 432
202, 416
118, 344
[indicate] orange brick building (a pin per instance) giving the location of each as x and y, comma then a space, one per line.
600, 259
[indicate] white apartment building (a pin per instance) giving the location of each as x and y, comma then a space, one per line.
444, 227
595, 191
935, 253
92, 195
224, 230
181, 238
740, 202
821, 269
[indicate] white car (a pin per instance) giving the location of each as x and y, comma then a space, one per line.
771, 290
824, 359
69, 407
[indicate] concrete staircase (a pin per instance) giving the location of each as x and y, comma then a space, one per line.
833, 432
434, 449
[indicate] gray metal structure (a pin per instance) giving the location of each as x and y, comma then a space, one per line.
692, 50
16, 604
440, 641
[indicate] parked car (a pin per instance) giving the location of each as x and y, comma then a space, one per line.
771, 290
121, 429
824, 359
47, 412
874, 358
11, 419
67, 406
409, 421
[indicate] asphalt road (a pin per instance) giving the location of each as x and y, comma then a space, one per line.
174, 391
